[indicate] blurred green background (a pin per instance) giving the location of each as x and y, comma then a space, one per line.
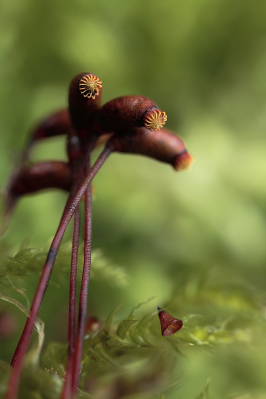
192, 241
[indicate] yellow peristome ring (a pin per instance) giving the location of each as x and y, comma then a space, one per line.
90, 85
155, 119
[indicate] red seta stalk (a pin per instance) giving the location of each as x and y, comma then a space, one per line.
77, 356
76, 166
18, 358
72, 313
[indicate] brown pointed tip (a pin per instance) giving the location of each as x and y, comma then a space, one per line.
169, 324
183, 161
155, 119
90, 85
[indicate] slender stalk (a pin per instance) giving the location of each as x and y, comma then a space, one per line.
18, 358
66, 391
78, 175
80, 171
72, 312
83, 304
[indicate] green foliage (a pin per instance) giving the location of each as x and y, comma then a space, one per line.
128, 355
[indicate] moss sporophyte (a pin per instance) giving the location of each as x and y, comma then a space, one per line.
128, 124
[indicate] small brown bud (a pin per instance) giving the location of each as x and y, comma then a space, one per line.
93, 324
169, 324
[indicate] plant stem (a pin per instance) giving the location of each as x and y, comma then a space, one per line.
18, 358
77, 358
72, 312
73, 332
77, 167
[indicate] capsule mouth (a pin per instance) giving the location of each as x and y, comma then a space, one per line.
90, 86
183, 161
155, 119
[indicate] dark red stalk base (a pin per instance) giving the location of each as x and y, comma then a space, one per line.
18, 358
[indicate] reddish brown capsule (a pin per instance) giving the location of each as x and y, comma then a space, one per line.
169, 324
31, 179
127, 112
50, 174
85, 94
55, 124
42, 175
161, 145
84, 98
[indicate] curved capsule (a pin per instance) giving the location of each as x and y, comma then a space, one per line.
58, 123
128, 112
31, 179
42, 175
55, 124
162, 145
